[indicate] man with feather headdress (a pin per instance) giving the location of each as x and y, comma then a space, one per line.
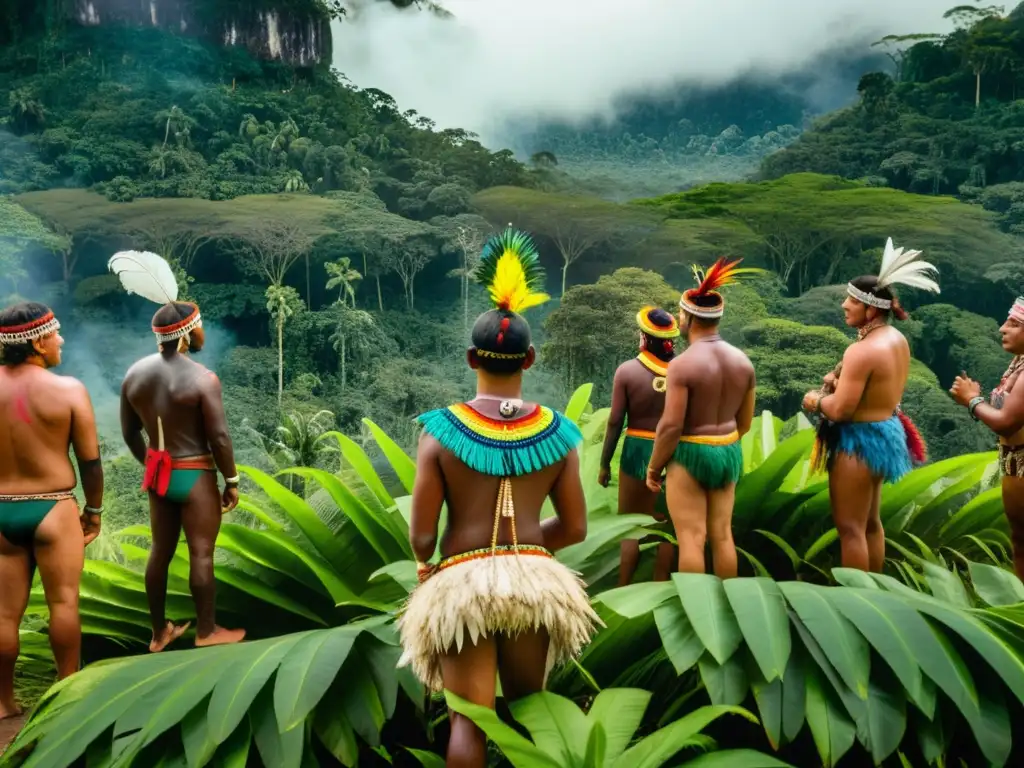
638, 399
864, 439
178, 403
498, 601
42, 415
709, 406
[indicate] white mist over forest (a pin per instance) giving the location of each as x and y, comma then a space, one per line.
500, 61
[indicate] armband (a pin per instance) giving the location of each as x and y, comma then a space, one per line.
97, 512
229, 481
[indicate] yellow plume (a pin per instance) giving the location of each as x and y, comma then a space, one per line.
510, 268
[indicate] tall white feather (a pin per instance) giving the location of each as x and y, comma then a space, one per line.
145, 274
901, 267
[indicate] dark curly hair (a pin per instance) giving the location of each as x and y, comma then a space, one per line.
501, 340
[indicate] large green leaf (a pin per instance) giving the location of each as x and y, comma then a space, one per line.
404, 467
519, 750
707, 608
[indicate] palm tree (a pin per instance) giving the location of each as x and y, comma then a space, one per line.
343, 277
282, 302
354, 325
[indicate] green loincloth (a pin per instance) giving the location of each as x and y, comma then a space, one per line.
713, 466
635, 456
181, 484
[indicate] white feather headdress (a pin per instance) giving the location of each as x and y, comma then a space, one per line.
899, 267
151, 277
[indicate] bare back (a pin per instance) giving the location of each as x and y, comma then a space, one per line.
718, 378
644, 404
37, 420
885, 358
170, 388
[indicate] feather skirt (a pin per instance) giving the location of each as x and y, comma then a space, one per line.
481, 597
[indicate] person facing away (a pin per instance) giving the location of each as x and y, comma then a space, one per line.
709, 406
864, 439
179, 404
497, 603
1004, 415
638, 399
42, 415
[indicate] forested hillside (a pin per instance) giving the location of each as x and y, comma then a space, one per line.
329, 236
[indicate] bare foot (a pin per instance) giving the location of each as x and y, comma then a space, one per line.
220, 636
9, 709
168, 636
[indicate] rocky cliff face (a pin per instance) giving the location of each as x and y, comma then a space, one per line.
294, 31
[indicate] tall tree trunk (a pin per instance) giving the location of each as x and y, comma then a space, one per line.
565, 271
380, 299
465, 303
343, 378
977, 88
309, 300
412, 294
280, 356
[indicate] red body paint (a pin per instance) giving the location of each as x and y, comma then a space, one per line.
21, 409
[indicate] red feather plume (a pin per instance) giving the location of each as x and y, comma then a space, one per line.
915, 443
722, 272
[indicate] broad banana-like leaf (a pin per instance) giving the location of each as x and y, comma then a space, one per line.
563, 735
824, 638
276, 694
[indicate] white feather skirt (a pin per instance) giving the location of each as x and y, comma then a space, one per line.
505, 594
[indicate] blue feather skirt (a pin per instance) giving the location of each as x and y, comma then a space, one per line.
881, 445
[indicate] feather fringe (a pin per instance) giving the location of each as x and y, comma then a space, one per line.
505, 594
511, 458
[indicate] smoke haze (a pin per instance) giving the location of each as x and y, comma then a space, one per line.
499, 61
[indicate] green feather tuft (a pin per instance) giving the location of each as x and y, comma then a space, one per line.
519, 243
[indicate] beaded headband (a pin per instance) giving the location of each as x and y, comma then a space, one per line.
1017, 310
659, 332
180, 329
708, 313
37, 329
868, 298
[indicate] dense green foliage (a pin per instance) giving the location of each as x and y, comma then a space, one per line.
948, 119
801, 655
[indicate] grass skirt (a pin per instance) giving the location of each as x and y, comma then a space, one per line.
636, 455
713, 466
501, 593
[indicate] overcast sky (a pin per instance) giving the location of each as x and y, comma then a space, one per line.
499, 59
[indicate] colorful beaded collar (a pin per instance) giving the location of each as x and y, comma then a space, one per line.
500, 447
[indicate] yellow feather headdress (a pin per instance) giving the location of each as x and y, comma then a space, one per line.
510, 270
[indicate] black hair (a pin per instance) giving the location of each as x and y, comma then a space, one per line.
172, 314
869, 284
663, 349
501, 333
19, 314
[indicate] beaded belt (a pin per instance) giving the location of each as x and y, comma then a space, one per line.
55, 496
501, 549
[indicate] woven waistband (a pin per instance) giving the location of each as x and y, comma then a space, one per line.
503, 549
643, 434
194, 462
646, 434
729, 439
55, 496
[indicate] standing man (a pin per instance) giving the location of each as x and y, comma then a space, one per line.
1004, 415
864, 439
638, 399
42, 415
709, 406
179, 405
498, 604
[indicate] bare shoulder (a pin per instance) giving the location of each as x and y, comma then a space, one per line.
68, 386
626, 367
429, 447
140, 366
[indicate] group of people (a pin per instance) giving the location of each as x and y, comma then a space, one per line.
43, 416
497, 605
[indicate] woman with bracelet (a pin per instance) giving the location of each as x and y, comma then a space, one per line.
1004, 415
